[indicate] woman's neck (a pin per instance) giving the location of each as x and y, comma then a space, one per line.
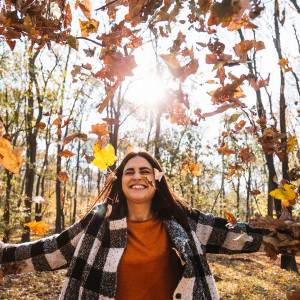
139, 212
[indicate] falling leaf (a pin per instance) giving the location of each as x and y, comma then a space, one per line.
178, 71
66, 153
89, 52
292, 143
63, 176
108, 97
10, 158
239, 126
224, 150
230, 217
71, 137
243, 47
100, 129
196, 169
284, 65
41, 125
104, 157
87, 27
246, 155
85, 7
37, 227
57, 122
158, 175
286, 194
68, 16
72, 42
233, 118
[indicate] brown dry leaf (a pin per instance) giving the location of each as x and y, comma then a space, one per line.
71, 137
240, 125
246, 155
109, 95
41, 125
10, 158
85, 7
66, 153
100, 129
171, 61
224, 150
89, 52
68, 16
63, 176
243, 47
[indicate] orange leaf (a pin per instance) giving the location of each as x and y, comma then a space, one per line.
100, 129
68, 16
211, 58
238, 126
41, 125
10, 158
71, 137
57, 122
225, 150
66, 153
108, 97
85, 7
63, 176
230, 217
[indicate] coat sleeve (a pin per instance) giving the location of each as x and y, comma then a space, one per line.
47, 254
216, 237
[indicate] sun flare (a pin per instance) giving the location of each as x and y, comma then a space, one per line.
148, 91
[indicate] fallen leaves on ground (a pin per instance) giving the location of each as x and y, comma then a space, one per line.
244, 276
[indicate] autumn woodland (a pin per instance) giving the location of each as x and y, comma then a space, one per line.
210, 87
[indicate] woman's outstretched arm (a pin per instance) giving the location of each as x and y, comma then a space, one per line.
217, 237
47, 254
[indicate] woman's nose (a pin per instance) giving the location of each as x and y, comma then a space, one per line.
136, 175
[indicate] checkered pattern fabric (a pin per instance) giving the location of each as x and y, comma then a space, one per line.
93, 247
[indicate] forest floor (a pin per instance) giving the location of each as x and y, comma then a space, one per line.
242, 277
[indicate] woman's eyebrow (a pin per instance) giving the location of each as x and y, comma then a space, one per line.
141, 169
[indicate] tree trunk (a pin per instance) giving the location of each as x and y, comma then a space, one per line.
6, 209
288, 262
157, 135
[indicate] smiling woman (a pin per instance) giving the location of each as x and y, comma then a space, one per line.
142, 242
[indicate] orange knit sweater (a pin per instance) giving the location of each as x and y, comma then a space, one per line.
149, 268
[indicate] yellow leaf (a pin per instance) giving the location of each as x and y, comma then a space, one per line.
10, 158
39, 227
104, 157
286, 194
87, 27
291, 144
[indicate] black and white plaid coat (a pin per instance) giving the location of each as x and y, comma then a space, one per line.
91, 250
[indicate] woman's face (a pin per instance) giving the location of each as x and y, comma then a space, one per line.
138, 182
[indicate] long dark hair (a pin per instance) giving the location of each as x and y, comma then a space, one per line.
166, 204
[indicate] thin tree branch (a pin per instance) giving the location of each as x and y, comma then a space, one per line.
90, 40
106, 5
